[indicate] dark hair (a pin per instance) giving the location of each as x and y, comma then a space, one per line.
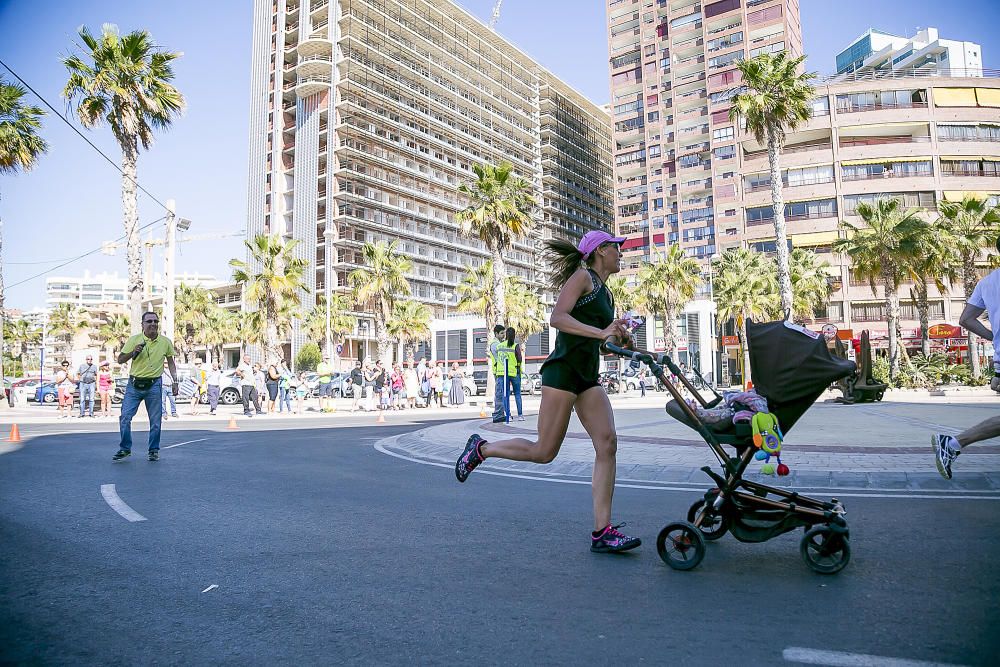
148, 312
510, 335
565, 259
498, 329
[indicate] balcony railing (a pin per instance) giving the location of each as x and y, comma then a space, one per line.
850, 142
971, 172
884, 174
859, 108
808, 181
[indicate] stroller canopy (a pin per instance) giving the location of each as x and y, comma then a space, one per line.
790, 362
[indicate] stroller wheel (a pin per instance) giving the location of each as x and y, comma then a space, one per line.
680, 545
713, 526
825, 551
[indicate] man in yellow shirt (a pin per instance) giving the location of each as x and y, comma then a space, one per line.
146, 351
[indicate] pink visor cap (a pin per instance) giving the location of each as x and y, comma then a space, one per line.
591, 241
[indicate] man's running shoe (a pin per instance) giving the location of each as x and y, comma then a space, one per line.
610, 540
944, 454
154, 455
122, 454
470, 458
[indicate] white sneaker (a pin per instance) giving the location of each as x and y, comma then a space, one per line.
520, 418
944, 455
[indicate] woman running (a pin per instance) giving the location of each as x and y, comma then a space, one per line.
584, 316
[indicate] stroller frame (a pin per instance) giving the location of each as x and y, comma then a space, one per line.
735, 500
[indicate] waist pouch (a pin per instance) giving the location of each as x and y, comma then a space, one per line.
142, 383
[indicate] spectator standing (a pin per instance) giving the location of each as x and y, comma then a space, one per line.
514, 372
396, 386
411, 387
104, 384
200, 378
284, 395
423, 381
167, 394
260, 386
214, 384
378, 380
497, 368
87, 374
437, 384
148, 351
248, 389
456, 395
64, 390
325, 372
357, 381
271, 384
642, 381
300, 392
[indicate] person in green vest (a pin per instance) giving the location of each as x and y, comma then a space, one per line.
497, 369
325, 372
146, 351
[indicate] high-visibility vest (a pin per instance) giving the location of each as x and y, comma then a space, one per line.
505, 361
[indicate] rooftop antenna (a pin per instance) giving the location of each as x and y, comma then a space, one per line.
495, 16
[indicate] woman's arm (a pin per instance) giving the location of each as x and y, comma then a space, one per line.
577, 286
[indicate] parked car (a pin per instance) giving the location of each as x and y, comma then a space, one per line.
528, 384
611, 382
630, 377
341, 385
47, 393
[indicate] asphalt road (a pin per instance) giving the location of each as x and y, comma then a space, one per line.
323, 550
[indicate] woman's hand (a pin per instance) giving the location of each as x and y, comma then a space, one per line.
615, 330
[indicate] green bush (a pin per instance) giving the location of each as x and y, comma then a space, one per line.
308, 357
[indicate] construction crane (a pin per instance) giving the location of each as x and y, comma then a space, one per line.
496, 16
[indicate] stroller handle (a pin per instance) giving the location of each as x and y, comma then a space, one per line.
643, 356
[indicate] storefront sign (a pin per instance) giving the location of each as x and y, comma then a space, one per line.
730, 341
945, 331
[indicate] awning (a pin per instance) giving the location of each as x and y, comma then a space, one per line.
873, 126
813, 239
958, 195
972, 158
884, 160
988, 97
955, 97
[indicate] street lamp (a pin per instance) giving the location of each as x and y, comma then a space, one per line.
328, 235
446, 297
174, 224
711, 297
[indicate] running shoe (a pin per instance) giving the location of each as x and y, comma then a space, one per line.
122, 454
154, 455
610, 540
470, 457
944, 454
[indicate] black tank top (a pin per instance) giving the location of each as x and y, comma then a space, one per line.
596, 309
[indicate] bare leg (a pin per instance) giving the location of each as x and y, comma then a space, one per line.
553, 420
984, 430
595, 413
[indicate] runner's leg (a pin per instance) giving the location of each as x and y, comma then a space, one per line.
553, 420
594, 410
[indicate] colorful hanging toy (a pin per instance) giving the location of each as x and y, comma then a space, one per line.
767, 438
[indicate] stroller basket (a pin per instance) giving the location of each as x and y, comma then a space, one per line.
792, 367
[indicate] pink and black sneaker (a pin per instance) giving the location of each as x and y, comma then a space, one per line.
610, 540
470, 458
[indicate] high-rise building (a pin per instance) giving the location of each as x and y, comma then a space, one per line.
673, 69
880, 52
109, 289
366, 116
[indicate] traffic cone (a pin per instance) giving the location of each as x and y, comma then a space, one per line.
15, 434
381, 417
482, 412
232, 423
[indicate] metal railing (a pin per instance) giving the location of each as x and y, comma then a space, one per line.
913, 73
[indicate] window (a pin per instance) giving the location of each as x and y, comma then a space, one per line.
908, 200
764, 15
858, 172
723, 134
721, 7
724, 152
725, 59
730, 78
770, 48
885, 99
969, 132
724, 42
809, 175
819, 208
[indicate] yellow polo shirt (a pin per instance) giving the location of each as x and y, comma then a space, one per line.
149, 363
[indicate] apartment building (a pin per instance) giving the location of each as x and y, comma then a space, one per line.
104, 289
918, 136
879, 52
367, 115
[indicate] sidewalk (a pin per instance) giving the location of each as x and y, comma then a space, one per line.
869, 446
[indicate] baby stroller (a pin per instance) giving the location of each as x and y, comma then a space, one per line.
792, 367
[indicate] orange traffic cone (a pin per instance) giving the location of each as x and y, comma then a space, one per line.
232, 423
482, 412
381, 417
15, 434
749, 385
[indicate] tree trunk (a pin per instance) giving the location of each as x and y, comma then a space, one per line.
923, 312
892, 321
969, 278
741, 329
130, 155
499, 291
669, 331
382, 343
780, 236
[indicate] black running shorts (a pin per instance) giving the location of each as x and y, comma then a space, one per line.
559, 374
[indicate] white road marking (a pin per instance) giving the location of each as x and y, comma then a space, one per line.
656, 487
210, 588
118, 505
810, 656
186, 442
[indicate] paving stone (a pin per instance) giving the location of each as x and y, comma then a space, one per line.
930, 481
972, 482
811, 478
844, 478
888, 480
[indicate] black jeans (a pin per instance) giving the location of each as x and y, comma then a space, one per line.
250, 394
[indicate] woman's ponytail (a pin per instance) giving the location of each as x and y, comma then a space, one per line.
564, 259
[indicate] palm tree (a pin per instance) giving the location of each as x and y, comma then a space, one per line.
879, 252
379, 283
774, 99
810, 287
341, 322
114, 331
523, 307
499, 213
621, 292
475, 292
971, 225
22, 334
745, 289
666, 285
191, 307
934, 263
20, 147
273, 285
65, 322
220, 328
410, 322
126, 82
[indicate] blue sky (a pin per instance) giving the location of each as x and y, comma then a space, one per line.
71, 202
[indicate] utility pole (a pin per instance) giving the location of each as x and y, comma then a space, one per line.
168, 272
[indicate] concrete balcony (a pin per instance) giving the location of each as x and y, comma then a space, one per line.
307, 86
893, 184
